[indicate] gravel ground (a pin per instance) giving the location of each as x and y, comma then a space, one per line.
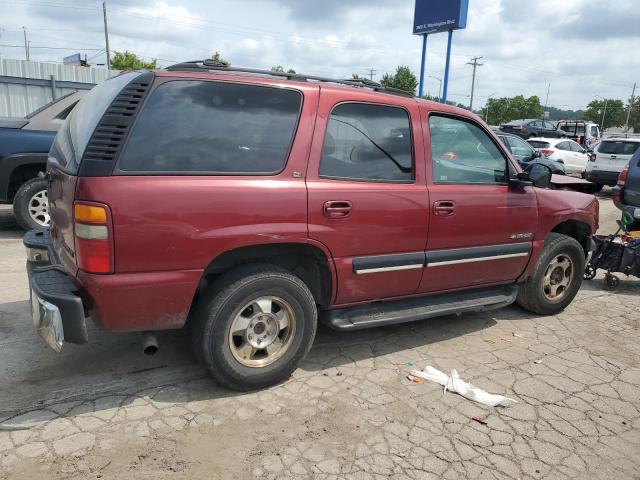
106, 411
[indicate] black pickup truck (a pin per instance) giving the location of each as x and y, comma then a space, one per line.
24, 147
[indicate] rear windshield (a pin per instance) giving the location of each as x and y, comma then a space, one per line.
618, 147
74, 134
213, 127
538, 144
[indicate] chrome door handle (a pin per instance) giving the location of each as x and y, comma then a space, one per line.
444, 208
337, 209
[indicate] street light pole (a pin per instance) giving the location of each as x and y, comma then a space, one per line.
439, 88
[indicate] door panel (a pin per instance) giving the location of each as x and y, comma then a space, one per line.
376, 230
484, 236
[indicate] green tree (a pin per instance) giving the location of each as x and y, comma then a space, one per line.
614, 115
216, 57
355, 76
130, 61
403, 79
280, 69
502, 110
634, 117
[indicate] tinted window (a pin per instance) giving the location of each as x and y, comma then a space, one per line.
367, 142
564, 146
538, 144
461, 152
215, 127
619, 147
73, 137
594, 131
519, 148
549, 125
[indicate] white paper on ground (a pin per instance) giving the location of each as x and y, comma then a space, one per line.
454, 383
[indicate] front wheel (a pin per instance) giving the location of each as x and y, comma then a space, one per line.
31, 205
556, 278
253, 326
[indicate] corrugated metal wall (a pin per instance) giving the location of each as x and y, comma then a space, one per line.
17, 100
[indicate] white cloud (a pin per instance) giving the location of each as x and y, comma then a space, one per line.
582, 48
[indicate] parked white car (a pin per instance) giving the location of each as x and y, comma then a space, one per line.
609, 158
562, 150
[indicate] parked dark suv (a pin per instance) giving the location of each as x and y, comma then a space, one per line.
530, 128
24, 146
253, 204
626, 194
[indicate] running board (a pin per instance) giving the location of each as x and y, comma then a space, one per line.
402, 311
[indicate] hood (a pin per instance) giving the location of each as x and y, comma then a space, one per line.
565, 182
13, 122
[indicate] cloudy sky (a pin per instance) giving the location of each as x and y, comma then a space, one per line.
583, 48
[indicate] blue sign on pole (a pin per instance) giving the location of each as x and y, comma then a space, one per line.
433, 16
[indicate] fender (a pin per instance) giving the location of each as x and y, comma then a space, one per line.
9, 163
554, 208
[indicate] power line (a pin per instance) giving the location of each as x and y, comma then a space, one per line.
51, 48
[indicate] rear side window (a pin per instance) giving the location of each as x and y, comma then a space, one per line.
368, 142
618, 147
73, 137
213, 127
538, 144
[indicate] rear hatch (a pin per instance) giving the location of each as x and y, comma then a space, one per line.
79, 142
612, 155
631, 193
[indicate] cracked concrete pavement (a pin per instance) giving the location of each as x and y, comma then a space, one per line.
106, 411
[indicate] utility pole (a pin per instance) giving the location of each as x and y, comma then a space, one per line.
546, 100
26, 43
631, 101
474, 63
106, 34
372, 72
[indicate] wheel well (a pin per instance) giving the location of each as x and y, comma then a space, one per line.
307, 262
21, 174
575, 229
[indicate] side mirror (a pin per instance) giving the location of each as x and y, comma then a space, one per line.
540, 175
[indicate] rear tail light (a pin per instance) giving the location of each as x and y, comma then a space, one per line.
546, 152
622, 178
94, 238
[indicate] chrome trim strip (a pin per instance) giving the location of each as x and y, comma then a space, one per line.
388, 269
476, 259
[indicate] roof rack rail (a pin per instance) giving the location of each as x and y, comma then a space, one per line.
209, 65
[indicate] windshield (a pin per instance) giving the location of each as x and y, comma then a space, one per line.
539, 144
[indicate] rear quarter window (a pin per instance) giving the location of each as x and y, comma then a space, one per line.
196, 126
618, 147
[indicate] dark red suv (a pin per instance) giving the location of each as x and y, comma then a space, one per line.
252, 204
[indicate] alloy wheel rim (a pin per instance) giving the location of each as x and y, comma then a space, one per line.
262, 331
39, 208
557, 278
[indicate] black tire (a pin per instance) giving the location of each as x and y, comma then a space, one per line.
223, 301
21, 204
531, 294
590, 272
599, 187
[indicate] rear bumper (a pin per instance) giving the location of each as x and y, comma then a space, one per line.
57, 310
602, 177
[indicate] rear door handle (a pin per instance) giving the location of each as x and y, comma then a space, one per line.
444, 208
337, 209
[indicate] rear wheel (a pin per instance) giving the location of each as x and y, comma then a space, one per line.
556, 278
253, 326
31, 205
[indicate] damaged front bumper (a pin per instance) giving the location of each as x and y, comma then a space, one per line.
56, 307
